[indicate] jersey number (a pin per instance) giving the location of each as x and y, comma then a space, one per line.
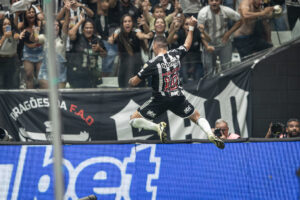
171, 83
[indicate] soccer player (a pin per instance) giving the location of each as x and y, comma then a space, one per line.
167, 90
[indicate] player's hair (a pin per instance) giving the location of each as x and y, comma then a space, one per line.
161, 42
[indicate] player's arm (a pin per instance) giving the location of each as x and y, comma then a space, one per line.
134, 81
189, 37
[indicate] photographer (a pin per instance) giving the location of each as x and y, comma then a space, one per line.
276, 130
221, 130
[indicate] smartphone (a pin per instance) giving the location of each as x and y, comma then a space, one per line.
8, 28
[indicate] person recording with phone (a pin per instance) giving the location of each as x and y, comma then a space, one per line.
8, 55
221, 130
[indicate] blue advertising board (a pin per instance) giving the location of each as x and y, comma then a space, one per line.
263, 170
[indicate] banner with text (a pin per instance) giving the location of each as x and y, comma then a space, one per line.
104, 114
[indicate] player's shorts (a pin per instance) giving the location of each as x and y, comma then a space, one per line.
155, 106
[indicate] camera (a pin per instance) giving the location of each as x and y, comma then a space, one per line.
277, 128
217, 132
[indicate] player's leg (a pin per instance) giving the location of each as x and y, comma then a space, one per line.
183, 108
202, 122
204, 125
137, 121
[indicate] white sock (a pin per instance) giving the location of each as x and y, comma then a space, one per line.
204, 125
143, 123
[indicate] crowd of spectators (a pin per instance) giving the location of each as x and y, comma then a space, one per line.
91, 34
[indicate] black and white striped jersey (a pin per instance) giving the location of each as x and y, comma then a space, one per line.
164, 70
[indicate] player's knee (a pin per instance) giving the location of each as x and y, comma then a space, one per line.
135, 115
195, 116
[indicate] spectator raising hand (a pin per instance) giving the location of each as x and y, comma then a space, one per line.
143, 24
191, 63
67, 5
130, 41
82, 8
255, 33
61, 34
75, 9
88, 49
33, 50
